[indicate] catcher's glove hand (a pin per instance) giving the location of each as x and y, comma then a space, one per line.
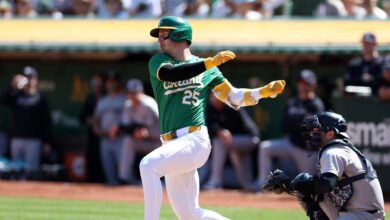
277, 182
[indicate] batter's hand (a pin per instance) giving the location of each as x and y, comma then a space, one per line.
220, 58
272, 89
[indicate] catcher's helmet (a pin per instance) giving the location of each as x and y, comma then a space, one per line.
333, 121
180, 29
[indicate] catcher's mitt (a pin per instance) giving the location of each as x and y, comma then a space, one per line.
277, 182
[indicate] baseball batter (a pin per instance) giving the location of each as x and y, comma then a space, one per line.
181, 83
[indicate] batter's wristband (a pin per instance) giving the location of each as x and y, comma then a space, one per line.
209, 63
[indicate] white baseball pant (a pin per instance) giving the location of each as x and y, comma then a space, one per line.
177, 160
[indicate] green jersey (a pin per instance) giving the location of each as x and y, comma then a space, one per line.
182, 103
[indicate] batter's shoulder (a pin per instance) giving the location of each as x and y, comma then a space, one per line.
155, 63
159, 58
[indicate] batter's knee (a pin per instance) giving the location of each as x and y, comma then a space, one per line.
146, 165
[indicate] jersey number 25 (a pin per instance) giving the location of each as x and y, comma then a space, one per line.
190, 98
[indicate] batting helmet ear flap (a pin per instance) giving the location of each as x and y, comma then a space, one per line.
182, 33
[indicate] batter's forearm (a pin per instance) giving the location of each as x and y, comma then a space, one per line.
237, 98
244, 97
172, 73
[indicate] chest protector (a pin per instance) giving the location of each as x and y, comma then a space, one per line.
344, 190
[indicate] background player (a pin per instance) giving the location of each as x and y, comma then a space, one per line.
181, 83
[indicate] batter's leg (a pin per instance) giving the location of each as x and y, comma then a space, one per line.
183, 193
176, 157
173, 157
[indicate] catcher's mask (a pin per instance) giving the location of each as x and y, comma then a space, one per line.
324, 121
180, 29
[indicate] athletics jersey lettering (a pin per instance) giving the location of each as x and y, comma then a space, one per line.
173, 87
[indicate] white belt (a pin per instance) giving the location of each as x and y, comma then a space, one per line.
180, 132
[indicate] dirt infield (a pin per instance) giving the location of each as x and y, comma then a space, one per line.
96, 192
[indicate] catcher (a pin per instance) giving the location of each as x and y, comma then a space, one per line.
346, 187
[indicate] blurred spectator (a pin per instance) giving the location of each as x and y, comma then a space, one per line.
5, 9
140, 127
82, 8
382, 88
52, 8
94, 166
330, 8
353, 9
101, 8
197, 8
107, 115
24, 8
292, 146
367, 68
341, 8
60, 5
223, 8
235, 134
173, 7
113, 9
249, 9
373, 11
193, 8
30, 121
386, 7
268, 7
144, 9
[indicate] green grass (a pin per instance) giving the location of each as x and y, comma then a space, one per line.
41, 209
